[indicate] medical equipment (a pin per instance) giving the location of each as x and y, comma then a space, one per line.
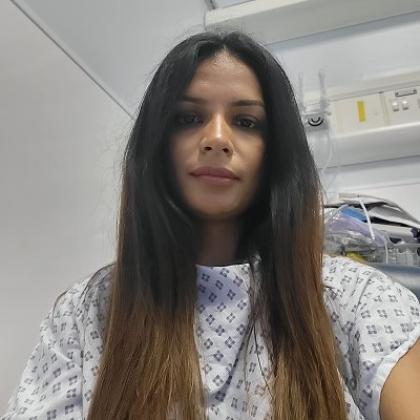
350, 233
374, 120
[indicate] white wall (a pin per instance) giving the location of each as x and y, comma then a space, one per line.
118, 43
350, 55
61, 140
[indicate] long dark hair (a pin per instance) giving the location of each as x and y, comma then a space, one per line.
149, 335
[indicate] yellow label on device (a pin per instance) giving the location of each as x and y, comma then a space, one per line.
362, 111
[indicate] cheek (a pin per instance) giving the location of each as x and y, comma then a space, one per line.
183, 155
255, 163
179, 155
254, 174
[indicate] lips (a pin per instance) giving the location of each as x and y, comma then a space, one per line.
215, 172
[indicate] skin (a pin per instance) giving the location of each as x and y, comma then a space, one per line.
214, 129
400, 396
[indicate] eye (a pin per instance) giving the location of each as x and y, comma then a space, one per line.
246, 122
187, 119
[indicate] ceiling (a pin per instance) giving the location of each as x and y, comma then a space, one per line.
118, 44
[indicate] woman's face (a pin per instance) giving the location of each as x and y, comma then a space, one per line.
218, 143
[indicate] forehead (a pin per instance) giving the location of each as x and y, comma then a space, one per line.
225, 75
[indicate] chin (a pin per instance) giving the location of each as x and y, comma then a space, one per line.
215, 214
216, 208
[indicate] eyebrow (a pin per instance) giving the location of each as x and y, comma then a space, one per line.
241, 102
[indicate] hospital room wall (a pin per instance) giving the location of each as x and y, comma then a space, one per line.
61, 140
348, 56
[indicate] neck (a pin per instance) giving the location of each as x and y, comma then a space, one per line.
219, 243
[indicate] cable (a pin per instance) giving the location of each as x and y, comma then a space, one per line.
386, 250
372, 233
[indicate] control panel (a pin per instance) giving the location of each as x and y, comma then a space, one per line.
370, 126
385, 108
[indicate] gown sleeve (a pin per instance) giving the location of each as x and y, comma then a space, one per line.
51, 384
375, 321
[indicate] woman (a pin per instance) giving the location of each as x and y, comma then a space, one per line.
220, 303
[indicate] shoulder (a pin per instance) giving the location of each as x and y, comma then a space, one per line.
375, 321
356, 293
351, 284
85, 301
92, 287
342, 273
69, 329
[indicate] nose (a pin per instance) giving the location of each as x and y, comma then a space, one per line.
217, 136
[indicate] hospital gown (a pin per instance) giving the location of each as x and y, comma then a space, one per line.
375, 322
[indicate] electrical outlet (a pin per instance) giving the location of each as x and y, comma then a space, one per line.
403, 105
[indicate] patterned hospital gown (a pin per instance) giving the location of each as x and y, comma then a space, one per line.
375, 322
